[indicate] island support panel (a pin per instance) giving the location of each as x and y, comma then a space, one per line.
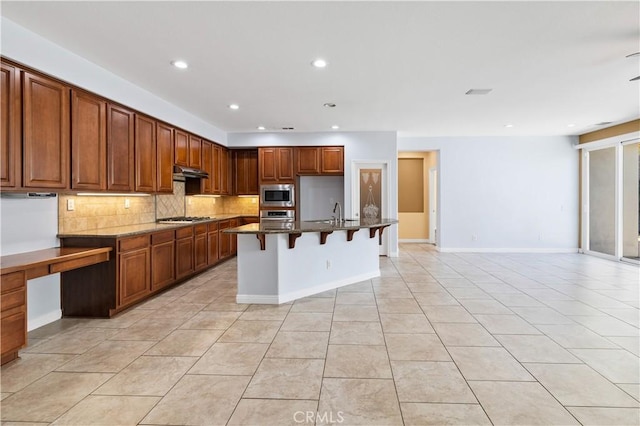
279, 274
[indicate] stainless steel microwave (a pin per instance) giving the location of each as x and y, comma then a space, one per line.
277, 195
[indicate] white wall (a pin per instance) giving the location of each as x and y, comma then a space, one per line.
318, 195
27, 225
512, 193
375, 147
32, 50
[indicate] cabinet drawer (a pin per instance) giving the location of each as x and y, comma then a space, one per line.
213, 226
184, 232
12, 281
162, 237
14, 332
134, 243
224, 224
13, 299
201, 229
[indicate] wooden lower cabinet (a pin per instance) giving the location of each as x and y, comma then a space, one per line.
163, 253
13, 315
141, 266
200, 247
212, 244
225, 240
184, 252
134, 266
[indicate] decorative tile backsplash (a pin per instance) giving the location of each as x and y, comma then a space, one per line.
95, 212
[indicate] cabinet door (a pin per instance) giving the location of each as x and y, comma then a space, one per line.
200, 251
181, 148
46, 133
163, 271
245, 172
216, 176
308, 161
212, 248
135, 282
145, 154
233, 238
195, 152
164, 157
88, 141
207, 164
184, 257
267, 165
10, 128
120, 136
224, 240
225, 183
285, 165
333, 160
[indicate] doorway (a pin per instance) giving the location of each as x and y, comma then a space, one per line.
417, 197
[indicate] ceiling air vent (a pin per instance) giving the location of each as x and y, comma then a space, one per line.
478, 91
603, 123
287, 128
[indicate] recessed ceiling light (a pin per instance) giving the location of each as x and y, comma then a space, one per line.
334, 127
329, 105
180, 64
478, 91
261, 127
319, 63
571, 125
234, 106
508, 125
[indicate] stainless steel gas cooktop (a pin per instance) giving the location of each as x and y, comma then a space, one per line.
183, 219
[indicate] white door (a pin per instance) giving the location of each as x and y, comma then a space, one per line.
370, 194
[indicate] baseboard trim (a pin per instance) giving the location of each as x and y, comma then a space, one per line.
415, 241
49, 317
294, 295
507, 250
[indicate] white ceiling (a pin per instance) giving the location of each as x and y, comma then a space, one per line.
399, 66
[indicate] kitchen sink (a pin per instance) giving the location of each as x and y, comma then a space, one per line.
330, 221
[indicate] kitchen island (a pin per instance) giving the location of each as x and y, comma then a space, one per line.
283, 261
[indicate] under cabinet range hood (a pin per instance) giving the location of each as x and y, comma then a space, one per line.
181, 172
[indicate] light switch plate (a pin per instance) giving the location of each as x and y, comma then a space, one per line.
71, 204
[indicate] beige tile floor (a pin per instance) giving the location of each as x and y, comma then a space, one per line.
439, 338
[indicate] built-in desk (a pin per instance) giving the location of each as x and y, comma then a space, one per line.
16, 269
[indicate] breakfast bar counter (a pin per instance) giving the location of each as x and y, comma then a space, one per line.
283, 261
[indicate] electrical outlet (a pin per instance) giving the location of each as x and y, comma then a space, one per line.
188, 201
127, 203
474, 237
328, 264
71, 204
254, 200
214, 200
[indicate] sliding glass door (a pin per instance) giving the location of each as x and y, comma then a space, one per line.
631, 201
611, 199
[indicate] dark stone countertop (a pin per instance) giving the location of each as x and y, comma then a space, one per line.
277, 227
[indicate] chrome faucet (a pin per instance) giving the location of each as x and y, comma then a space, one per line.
339, 220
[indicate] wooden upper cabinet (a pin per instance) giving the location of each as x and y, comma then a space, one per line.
10, 127
145, 154
46, 133
216, 154
245, 171
164, 157
332, 160
120, 148
181, 148
308, 161
195, 152
225, 172
275, 165
88, 141
207, 166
